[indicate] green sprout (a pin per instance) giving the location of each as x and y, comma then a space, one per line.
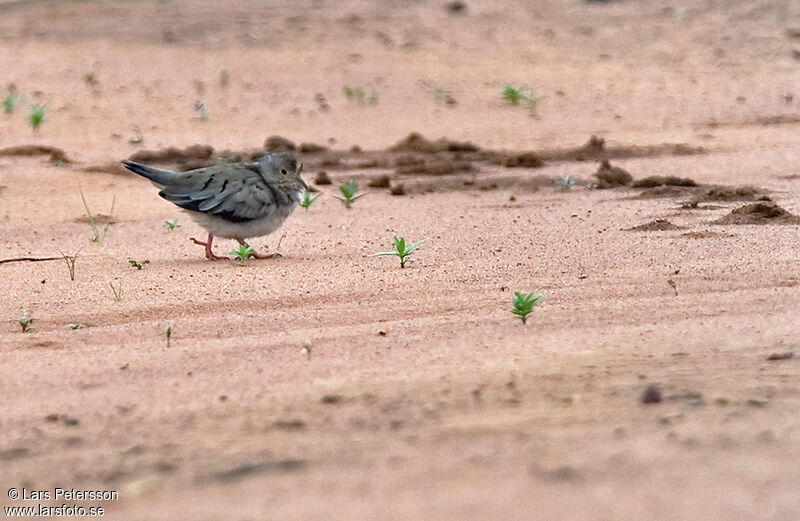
171, 224
515, 95
306, 201
523, 304
349, 192
243, 253
75, 326
117, 290
138, 264
70, 260
37, 115
90, 78
168, 334
566, 183
359, 95
200, 109
224, 79
400, 250
10, 103
97, 236
25, 321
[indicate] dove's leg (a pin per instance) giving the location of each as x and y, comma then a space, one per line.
257, 255
209, 254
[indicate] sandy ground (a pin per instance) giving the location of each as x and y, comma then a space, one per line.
423, 397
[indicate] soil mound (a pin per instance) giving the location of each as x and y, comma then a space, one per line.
611, 176
55, 153
659, 225
436, 167
759, 213
523, 160
663, 180
415, 142
278, 144
174, 155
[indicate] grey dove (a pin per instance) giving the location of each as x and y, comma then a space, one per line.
235, 200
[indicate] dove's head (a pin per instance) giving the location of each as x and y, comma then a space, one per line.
282, 171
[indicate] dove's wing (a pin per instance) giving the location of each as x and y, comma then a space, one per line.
236, 192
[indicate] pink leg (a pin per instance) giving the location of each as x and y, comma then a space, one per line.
209, 254
257, 255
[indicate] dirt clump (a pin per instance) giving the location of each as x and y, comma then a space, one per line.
415, 142
174, 155
612, 176
523, 160
381, 181
311, 148
762, 212
322, 178
658, 225
397, 189
732, 193
437, 167
663, 180
55, 153
279, 144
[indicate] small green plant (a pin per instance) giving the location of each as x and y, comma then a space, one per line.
75, 326
138, 264
70, 260
523, 94
243, 253
361, 96
90, 78
224, 79
36, 118
200, 109
523, 304
349, 192
400, 250
10, 103
97, 236
566, 183
306, 200
25, 321
116, 290
171, 224
168, 334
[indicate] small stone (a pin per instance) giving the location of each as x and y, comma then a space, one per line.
322, 178
651, 395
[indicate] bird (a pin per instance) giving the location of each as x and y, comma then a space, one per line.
233, 200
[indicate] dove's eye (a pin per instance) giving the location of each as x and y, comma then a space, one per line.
283, 171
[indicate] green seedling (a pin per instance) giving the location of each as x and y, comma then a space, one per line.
360, 96
523, 94
97, 236
200, 109
242, 254
566, 183
171, 224
25, 321
10, 103
224, 79
168, 334
400, 250
116, 290
70, 260
75, 326
523, 304
349, 192
138, 264
307, 200
38, 113
90, 78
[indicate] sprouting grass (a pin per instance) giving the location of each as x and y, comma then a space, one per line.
349, 193
224, 79
522, 94
168, 334
10, 103
97, 236
361, 96
566, 183
200, 109
138, 264
25, 321
75, 326
400, 250
70, 260
242, 253
116, 290
171, 224
90, 78
307, 200
523, 304
36, 118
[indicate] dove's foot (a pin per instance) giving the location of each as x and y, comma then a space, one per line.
209, 254
257, 255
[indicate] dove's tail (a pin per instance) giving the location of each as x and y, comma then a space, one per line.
159, 177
